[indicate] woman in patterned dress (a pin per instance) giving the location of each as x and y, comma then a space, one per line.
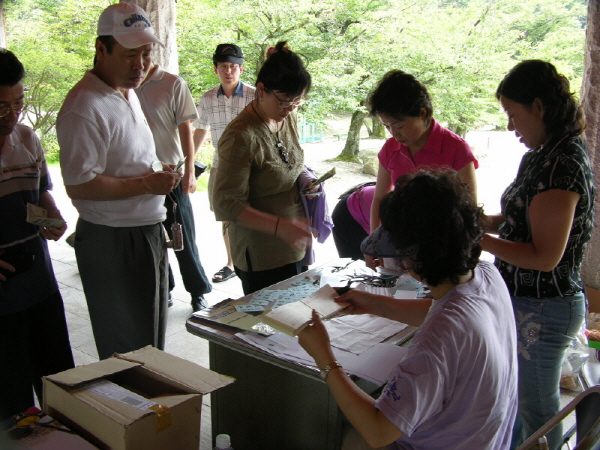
545, 224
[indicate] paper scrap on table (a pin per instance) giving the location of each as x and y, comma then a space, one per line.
375, 364
406, 295
408, 283
358, 333
249, 308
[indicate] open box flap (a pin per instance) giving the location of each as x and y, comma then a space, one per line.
189, 374
94, 371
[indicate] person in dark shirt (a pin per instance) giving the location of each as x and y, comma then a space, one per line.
34, 340
546, 221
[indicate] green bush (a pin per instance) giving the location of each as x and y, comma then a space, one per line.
51, 148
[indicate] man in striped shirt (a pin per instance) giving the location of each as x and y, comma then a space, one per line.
216, 109
34, 340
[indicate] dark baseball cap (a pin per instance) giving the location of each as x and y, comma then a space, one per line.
228, 53
379, 245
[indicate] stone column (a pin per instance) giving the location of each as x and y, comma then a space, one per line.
162, 14
590, 97
2, 26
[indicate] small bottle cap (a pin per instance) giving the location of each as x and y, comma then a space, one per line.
223, 441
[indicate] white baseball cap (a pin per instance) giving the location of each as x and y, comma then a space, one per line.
128, 24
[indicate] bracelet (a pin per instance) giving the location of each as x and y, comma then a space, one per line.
276, 226
325, 370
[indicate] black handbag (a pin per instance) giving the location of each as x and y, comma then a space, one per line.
357, 187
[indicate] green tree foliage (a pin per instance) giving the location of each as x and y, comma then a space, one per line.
459, 48
52, 38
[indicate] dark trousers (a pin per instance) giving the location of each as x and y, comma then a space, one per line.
124, 275
347, 232
190, 267
253, 281
33, 343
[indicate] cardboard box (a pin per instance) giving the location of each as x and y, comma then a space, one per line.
145, 399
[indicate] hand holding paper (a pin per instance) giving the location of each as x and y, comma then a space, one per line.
315, 340
39, 216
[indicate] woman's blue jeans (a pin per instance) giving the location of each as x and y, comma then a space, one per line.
545, 328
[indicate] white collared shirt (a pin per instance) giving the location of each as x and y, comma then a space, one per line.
167, 103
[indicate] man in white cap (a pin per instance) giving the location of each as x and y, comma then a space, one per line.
107, 151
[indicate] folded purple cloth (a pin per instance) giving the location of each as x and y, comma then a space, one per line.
317, 212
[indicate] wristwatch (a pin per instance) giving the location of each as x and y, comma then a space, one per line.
325, 370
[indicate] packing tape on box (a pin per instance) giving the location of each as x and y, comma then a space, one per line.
162, 417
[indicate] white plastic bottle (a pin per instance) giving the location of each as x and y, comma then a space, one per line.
223, 442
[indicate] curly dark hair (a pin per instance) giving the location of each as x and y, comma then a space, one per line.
399, 94
533, 79
435, 211
284, 71
11, 69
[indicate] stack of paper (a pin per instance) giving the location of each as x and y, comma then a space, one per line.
356, 342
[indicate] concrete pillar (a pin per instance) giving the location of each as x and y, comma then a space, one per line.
590, 97
162, 14
2, 26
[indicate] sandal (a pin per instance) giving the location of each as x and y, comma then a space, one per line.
223, 275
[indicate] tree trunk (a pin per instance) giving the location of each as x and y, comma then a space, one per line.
378, 129
590, 96
352, 147
162, 14
459, 128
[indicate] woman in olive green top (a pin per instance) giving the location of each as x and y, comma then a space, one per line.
256, 189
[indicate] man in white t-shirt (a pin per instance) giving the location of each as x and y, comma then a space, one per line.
216, 109
106, 155
169, 107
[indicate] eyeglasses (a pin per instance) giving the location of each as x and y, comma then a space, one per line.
5, 110
284, 105
228, 67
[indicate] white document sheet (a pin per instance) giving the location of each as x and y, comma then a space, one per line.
356, 342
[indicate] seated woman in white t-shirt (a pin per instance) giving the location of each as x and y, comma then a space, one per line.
456, 388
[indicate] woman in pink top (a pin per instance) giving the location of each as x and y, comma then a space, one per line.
418, 142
